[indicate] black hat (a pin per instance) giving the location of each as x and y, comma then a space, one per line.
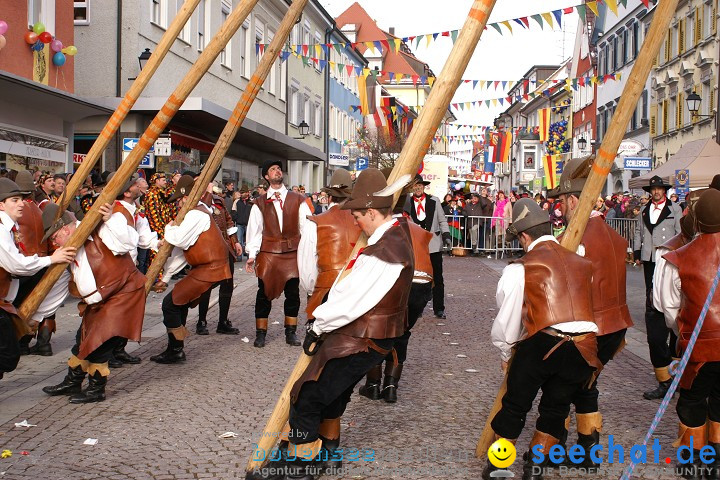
715, 182
268, 164
50, 225
8, 189
420, 180
657, 182
183, 187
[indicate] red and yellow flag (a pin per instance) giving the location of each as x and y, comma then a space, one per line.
544, 123
553, 170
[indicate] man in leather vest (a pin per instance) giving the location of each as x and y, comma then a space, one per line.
30, 234
606, 249
14, 264
112, 290
545, 313
229, 232
273, 235
682, 291
659, 222
207, 253
426, 211
420, 295
358, 324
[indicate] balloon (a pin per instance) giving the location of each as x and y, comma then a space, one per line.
71, 50
59, 59
38, 47
39, 27
56, 45
31, 37
45, 37
3, 27
2, 42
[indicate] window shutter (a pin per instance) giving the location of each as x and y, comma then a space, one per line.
681, 37
653, 124
680, 120
714, 17
711, 107
668, 45
665, 116
698, 25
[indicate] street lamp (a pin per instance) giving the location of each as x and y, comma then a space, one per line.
304, 130
582, 143
142, 60
693, 103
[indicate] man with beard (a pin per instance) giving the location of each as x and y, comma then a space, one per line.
426, 211
273, 236
660, 221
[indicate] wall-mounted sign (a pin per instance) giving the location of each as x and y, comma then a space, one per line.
638, 163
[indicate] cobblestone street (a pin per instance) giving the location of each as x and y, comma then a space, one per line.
163, 422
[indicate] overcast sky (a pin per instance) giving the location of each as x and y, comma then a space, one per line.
497, 57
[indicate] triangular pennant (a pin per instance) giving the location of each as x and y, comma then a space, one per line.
592, 5
538, 19
350, 70
548, 18
318, 50
581, 12
507, 24
612, 4
475, 82
496, 27
378, 45
558, 17
517, 20
397, 42
525, 21
454, 35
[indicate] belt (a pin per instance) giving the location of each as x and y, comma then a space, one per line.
566, 337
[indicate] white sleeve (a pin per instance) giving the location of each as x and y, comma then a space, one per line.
14, 262
367, 284
307, 257
175, 262
55, 297
147, 238
253, 234
667, 286
186, 234
303, 214
660, 264
507, 329
117, 235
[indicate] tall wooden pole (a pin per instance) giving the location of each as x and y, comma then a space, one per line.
228, 134
411, 157
130, 165
136, 89
604, 159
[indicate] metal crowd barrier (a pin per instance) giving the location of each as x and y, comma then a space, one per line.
626, 228
479, 235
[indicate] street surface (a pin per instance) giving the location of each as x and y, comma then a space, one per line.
163, 421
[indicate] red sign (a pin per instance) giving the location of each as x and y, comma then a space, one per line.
79, 157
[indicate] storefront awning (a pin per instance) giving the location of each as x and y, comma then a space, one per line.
188, 138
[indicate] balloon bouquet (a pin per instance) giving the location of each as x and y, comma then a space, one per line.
37, 38
558, 141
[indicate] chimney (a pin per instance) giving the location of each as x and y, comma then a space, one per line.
392, 31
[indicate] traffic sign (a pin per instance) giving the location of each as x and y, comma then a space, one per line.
130, 143
163, 147
148, 160
362, 163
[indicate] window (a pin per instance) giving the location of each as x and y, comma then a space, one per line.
34, 11
636, 40
259, 38
185, 33
707, 21
613, 53
705, 106
672, 114
200, 26
226, 53
318, 41
318, 120
283, 80
306, 113
244, 42
620, 50
81, 12
294, 106
690, 32
158, 13
674, 42
680, 113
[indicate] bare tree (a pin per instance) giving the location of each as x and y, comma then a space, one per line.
381, 148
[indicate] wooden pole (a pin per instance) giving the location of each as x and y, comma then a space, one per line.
228, 134
604, 160
136, 89
130, 165
410, 159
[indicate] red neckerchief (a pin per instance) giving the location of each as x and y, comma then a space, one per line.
16, 239
277, 198
419, 201
662, 202
351, 264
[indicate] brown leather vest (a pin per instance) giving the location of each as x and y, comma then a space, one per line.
388, 319
697, 263
111, 271
421, 248
222, 219
208, 252
31, 231
337, 235
119, 208
675, 242
606, 249
558, 283
274, 240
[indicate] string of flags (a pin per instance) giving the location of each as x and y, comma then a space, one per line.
550, 18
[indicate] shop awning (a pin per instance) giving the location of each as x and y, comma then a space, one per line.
188, 138
700, 157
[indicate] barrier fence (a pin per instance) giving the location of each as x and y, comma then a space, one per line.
486, 235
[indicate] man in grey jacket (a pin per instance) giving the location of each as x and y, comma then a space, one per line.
658, 223
426, 211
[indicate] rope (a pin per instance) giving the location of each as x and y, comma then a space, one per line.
680, 369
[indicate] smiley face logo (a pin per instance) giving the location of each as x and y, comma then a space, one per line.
502, 453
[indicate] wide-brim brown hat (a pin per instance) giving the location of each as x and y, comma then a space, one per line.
24, 180
50, 225
715, 182
8, 189
687, 225
340, 184
573, 178
183, 187
372, 191
525, 215
656, 181
128, 183
707, 213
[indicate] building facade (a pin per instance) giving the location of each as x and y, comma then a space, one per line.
687, 64
584, 67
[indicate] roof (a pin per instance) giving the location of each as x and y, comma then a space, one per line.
699, 157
